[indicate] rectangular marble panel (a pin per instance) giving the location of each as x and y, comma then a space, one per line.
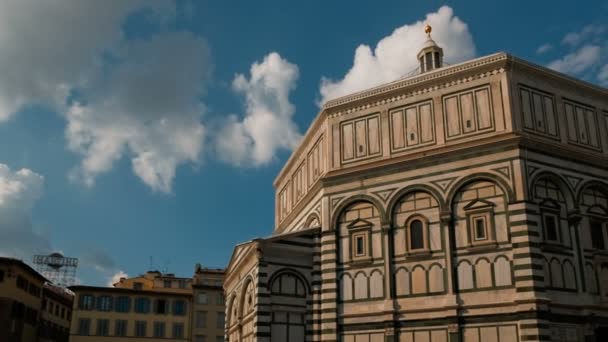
484, 113
397, 125
373, 126
427, 131
452, 117
539, 116
550, 116
360, 139
347, 141
526, 109
411, 124
468, 113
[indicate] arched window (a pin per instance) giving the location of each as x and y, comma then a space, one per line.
552, 203
594, 205
288, 284
416, 235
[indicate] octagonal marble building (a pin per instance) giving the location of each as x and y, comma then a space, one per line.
466, 203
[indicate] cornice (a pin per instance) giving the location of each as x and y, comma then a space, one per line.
522, 63
336, 106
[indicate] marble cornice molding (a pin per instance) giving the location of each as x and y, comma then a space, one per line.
434, 78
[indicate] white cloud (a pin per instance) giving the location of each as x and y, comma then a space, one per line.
19, 191
140, 99
149, 106
115, 278
267, 125
544, 48
577, 61
588, 32
50, 47
395, 55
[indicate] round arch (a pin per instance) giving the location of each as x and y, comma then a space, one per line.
310, 219
291, 271
415, 188
354, 199
565, 188
242, 294
480, 177
591, 184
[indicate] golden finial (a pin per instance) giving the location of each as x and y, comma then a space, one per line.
427, 30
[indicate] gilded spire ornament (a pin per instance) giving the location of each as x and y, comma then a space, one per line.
428, 29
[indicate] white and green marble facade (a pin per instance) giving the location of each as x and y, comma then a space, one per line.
497, 139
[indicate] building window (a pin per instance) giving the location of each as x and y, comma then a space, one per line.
360, 244
22, 283
123, 304
62, 312
416, 235
31, 316
597, 234
201, 319
429, 61
201, 298
103, 326
142, 305
219, 339
220, 299
138, 286
181, 283
200, 338
221, 318
120, 327
179, 307
140, 328
1, 276
159, 329
479, 227
167, 284
34, 290
104, 303
161, 307
84, 326
178, 330
86, 302
550, 223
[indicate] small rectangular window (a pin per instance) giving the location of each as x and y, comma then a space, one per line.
597, 234
201, 319
550, 222
178, 330
480, 229
219, 323
120, 327
137, 286
201, 298
102, 327
416, 235
161, 307
84, 326
1, 276
179, 307
140, 328
159, 329
167, 284
359, 246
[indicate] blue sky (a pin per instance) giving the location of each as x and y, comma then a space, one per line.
139, 129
